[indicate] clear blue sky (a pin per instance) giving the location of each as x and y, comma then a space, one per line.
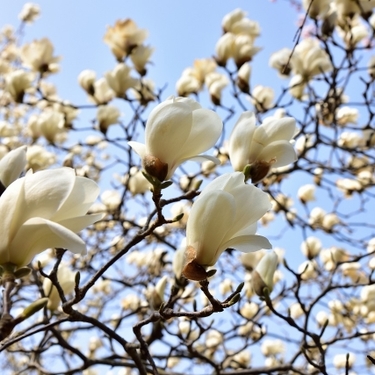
180, 31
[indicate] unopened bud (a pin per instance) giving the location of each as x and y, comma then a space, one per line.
262, 276
33, 308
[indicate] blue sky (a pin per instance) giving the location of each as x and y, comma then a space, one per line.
180, 32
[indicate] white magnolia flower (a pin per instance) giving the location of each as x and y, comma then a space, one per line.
107, 115
12, 165
140, 56
263, 147
86, 80
38, 56
316, 8
262, 97
263, 275
279, 60
120, 80
311, 247
17, 82
42, 210
310, 59
177, 130
306, 193
223, 216
29, 12
123, 37
66, 279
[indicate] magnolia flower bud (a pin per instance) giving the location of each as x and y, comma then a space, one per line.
140, 56
157, 294
243, 78
224, 48
306, 193
120, 80
262, 276
262, 98
17, 82
29, 12
107, 115
86, 79
311, 247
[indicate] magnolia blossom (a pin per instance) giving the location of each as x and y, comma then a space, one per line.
177, 130
29, 12
243, 78
119, 79
12, 165
317, 8
311, 247
86, 80
66, 279
347, 115
309, 59
216, 82
263, 275
17, 82
262, 97
279, 60
107, 115
38, 56
223, 216
140, 56
263, 147
42, 210
123, 37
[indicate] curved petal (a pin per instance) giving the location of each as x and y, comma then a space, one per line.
240, 140
280, 129
139, 148
205, 131
46, 191
226, 182
38, 234
282, 151
248, 244
76, 224
167, 131
198, 158
82, 196
207, 225
12, 164
251, 204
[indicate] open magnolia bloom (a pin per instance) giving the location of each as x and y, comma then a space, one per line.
42, 210
224, 216
177, 130
264, 147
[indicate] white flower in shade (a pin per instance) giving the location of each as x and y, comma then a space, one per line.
317, 8
306, 193
310, 59
111, 199
17, 82
263, 147
102, 93
136, 182
39, 158
29, 12
263, 275
38, 56
262, 97
66, 279
107, 115
42, 210
297, 86
177, 130
215, 83
272, 347
140, 56
120, 80
329, 221
307, 270
224, 215
341, 361
250, 260
347, 115
12, 165
243, 78
86, 80
50, 124
311, 247
279, 61
224, 48
243, 49
188, 83
123, 37
230, 19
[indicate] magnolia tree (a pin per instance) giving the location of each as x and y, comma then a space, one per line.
118, 256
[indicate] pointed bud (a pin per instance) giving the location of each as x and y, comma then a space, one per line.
33, 308
262, 276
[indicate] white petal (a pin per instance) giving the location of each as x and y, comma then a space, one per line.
139, 148
248, 244
282, 151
